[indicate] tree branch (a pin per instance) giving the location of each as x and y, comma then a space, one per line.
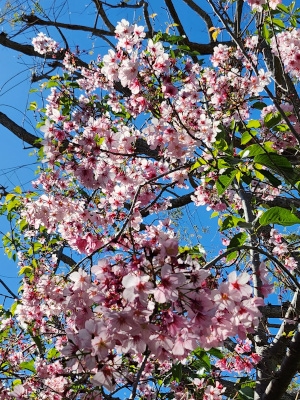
238, 16
8, 289
175, 17
288, 369
103, 15
20, 132
34, 20
203, 14
147, 19
23, 48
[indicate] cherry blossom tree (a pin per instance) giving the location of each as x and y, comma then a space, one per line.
113, 303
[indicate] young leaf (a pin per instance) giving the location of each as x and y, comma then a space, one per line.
225, 180
238, 240
271, 120
29, 365
253, 123
279, 216
276, 162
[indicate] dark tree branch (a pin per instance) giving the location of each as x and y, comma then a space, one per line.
8, 289
203, 14
207, 49
275, 311
20, 132
103, 15
238, 17
281, 339
175, 17
147, 19
122, 4
232, 388
67, 260
34, 20
284, 202
288, 369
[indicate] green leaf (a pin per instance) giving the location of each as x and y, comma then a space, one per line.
281, 128
29, 365
279, 216
271, 178
216, 353
271, 120
52, 353
255, 149
99, 140
177, 372
230, 222
8, 252
51, 84
203, 359
72, 85
265, 32
32, 106
18, 190
283, 8
246, 137
222, 163
231, 256
37, 246
279, 23
13, 308
37, 340
25, 270
225, 180
253, 123
246, 393
13, 204
276, 162
221, 144
238, 240
23, 224
293, 22
259, 105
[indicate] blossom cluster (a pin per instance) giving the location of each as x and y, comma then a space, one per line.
286, 45
257, 4
101, 154
43, 44
163, 305
243, 360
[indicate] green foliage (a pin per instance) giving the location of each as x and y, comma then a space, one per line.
238, 240
225, 180
278, 216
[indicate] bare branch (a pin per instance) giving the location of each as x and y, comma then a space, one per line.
8, 289
34, 20
203, 14
175, 17
207, 49
20, 132
147, 19
103, 15
238, 16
